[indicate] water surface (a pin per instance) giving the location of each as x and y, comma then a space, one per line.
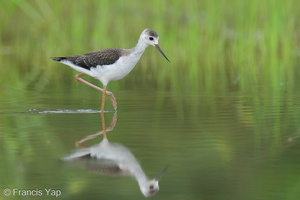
217, 146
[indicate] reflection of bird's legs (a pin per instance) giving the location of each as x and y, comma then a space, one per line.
110, 94
89, 137
113, 122
102, 115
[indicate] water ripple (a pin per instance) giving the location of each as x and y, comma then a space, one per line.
63, 111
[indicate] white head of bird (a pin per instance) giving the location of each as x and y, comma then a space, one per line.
150, 37
150, 187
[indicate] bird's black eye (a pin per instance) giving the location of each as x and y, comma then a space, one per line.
151, 38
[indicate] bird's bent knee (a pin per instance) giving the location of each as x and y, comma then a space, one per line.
109, 93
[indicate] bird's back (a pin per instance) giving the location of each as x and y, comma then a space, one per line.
94, 58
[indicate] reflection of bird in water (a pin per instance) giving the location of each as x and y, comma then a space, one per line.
113, 159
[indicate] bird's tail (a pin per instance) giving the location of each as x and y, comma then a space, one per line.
58, 58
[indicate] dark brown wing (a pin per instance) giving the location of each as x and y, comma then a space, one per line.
94, 58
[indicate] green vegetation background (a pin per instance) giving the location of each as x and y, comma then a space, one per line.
213, 45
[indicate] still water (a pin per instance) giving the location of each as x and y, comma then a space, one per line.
216, 146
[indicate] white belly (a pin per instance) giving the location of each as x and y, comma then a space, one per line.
116, 71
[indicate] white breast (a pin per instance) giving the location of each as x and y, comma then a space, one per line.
116, 71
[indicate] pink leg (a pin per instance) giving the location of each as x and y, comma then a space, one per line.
102, 112
110, 94
103, 99
78, 143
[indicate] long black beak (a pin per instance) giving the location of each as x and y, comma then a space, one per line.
163, 171
159, 49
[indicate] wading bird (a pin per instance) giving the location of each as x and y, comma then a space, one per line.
110, 64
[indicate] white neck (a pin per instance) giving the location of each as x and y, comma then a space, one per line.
140, 47
139, 175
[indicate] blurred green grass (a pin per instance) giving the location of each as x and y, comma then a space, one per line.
214, 46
